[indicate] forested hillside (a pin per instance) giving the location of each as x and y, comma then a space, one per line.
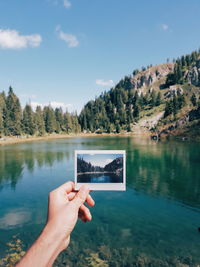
162, 100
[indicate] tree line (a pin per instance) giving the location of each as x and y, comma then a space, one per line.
84, 166
117, 109
17, 121
183, 65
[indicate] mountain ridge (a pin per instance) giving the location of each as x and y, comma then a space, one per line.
159, 100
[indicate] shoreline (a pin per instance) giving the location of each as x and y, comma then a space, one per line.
23, 139
82, 173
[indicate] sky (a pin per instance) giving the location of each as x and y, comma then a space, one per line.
99, 159
66, 52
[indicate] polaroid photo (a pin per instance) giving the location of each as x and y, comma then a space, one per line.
100, 169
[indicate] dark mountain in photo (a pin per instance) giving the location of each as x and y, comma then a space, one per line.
116, 166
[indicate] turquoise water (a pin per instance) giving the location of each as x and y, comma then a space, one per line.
158, 216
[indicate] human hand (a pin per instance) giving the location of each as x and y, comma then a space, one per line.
65, 206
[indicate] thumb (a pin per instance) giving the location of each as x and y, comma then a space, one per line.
81, 196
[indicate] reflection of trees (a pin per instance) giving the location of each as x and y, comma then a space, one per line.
13, 162
170, 170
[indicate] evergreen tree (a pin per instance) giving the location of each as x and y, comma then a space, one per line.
28, 122
13, 114
68, 122
75, 125
194, 100
49, 119
152, 99
168, 108
136, 112
175, 105
158, 99
2, 110
39, 121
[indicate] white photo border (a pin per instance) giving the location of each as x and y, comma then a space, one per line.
101, 186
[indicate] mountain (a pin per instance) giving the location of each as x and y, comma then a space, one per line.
157, 100
116, 166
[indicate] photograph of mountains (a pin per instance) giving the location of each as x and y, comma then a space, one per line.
100, 168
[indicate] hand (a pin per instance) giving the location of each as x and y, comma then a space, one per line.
65, 206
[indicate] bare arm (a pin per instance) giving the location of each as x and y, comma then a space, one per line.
65, 206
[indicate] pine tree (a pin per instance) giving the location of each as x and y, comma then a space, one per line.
68, 127
168, 108
194, 100
2, 110
49, 119
13, 114
136, 112
39, 121
59, 119
28, 122
152, 101
75, 125
158, 99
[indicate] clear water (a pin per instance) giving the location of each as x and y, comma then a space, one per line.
158, 215
100, 178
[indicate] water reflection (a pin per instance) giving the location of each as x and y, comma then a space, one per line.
165, 169
14, 161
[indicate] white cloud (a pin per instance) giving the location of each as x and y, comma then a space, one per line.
67, 3
105, 83
11, 39
53, 104
165, 27
70, 39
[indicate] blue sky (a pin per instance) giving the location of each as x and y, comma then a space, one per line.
68, 51
99, 159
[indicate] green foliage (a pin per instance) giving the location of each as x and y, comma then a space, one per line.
194, 100
39, 121
94, 261
174, 104
28, 122
14, 121
12, 114
183, 65
14, 253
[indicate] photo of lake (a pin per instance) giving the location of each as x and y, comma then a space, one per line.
100, 168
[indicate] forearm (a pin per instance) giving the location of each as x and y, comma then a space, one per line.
45, 249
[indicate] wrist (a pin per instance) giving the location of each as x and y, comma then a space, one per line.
55, 235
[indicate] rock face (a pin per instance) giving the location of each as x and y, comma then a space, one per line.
174, 90
151, 75
193, 76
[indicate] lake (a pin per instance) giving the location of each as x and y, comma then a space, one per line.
156, 220
100, 178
